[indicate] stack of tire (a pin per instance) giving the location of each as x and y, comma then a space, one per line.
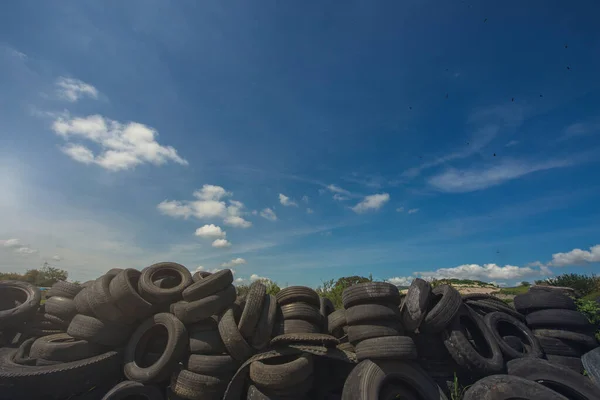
300, 311
338, 328
563, 333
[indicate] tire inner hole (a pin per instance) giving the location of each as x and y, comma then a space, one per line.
507, 329
166, 279
475, 336
151, 346
566, 391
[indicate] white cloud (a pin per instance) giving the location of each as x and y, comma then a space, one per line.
255, 277
211, 232
239, 280
286, 201
234, 262
56, 258
339, 197
200, 268
576, 257
309, 211
221, 243
372, 202
401, 280
12, 243
212, 271
254, 212
581, 129
337, 189
26, 250
237, 222
124, 146
175, 209
413, 211
480, 272
305, 199
512, 143
268, 214
18, 247
472, 179
212, 192
73, 89
208, 208
400, 209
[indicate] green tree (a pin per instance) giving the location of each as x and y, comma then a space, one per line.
525, 283
333, 289
583, 284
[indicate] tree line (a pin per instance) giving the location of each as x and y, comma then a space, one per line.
43, 277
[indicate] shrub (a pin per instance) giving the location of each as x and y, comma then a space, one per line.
584, 284
333, 289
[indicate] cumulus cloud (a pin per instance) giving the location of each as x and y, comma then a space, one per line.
576, 257
237, 222
18, 247
400, 209
413, 211
212, 271
339, 197
481, 272
268, 214
73, 89
26, 250
372, 202
221, 243
309, 211
234, 262
211, 232
286, 201
123, 145
255, 277
401, 280
211, 192
56, 258
12, 243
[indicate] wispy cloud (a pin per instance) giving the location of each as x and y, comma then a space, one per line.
413, 211
269, 214
512, 143
73, 89
286, 201
580, 129
372, 202
234, 262
18, 247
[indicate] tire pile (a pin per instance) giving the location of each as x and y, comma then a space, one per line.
161, 333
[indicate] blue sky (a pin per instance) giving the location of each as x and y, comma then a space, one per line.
304, 141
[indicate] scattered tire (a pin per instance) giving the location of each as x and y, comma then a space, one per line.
326, 307
335, 321
300, 326
443, 307
573, 363
59, 322
253, 309
387, 348
281, 372
370, 292
264, 327
131, 390
159, 324
64, 289
205, 340
540, 300
358, 333
508, 387
587, 341
82, 303
486, 306
501, 325
198, 276
591, 364
63, 348
204, 308
96, 331
561, 319
208, 285
514, 342
346, 347
220, 366
233, 340
102, 303
560, 347
320, 339
364, 313
155, 294
123, 291
294, 294
416, 302
560, 379
61, 307
302, 311
188, 385
24, 300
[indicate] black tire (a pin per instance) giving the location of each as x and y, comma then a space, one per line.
233, 340
326, 307
584, 340
486, 306
264, 327
346, 347
204, 308
561, 319
484, 357
507, 387
102, 303
362, 314
198, 276
129, 389
393, 391
95, 331
82, 303
416, 302
87, 284
220, 366
387, 348
252, 309
572, 363
302, 311
431, 347
123, 291
300, 326
367, 378
23, 302
64, 289
61, 307
514, 342
174, 350
444, 304
208, 286
560, 347
281, 372
358, 333
501, 324
591, 364
335, 322
188, 385
204, 340
320, 339
63, 348
61, 380
560, 379
540, 300
59, 322
370, 292
157, 295
294, 294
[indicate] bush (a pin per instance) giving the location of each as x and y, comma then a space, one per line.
272, 288
43, 277
584, 284
333, 289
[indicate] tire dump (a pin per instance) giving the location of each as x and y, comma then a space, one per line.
161, 333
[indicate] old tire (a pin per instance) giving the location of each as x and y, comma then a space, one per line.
501, 324
198, 276
362, 314
370, 292
508, 387
445, 301
102, 303
300, 326
20, 301
157, 295
294, 294
561, 319
560, 347
302, 311
264, 327
192, 386
336, 321
281, 372
416, 302
252, 309
220, 366
61, 307
64, 348
233, 340
82, 303
64, 289
204, 308
96, 331
387, 348
584, 340
123, 290
205, 339
209, 285
591, 364
358, 333
131, 390
540, 300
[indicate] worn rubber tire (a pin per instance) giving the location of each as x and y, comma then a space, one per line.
220, 366
584, 340
264, 327
591, 364
346, 347
464, 353
64, 289
367, 378
320, 339
444, 304
174, 350
82, 303
572, 363
559, 378
129, 389
24, 293
416, 302
208, 286
540, 300
59, 322
370, 292
198, 276
192, 386
233, 340
362, 314
96, 331
61, 307
294, 294
64, 348
387, 348
205, 340
300, 326
358, 333
336, 321
252, 309
561, 319
488, 305
514, 342
157, 295
281, 372
498, 320
508, 387
102, 303
560, 347
204, 308
123, 291
302, 311
326, 307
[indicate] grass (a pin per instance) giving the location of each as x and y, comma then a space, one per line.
458, 391
592, 296
514, 290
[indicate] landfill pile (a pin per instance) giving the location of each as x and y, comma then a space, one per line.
161, 333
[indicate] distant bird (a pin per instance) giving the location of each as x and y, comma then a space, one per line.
467, 143
494, 154
410, 108
485, 20
513, 99
497, 251
446, 95
566, 46
541, 95
568, 67
446, 69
